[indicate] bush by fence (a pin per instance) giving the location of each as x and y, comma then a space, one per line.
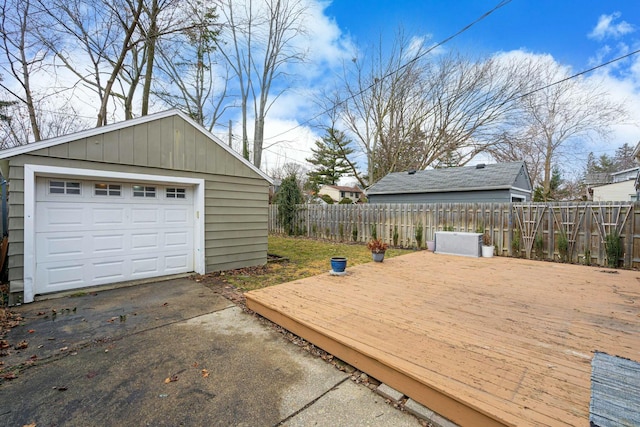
569, 232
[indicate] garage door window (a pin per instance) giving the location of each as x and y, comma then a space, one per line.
107, 189
144, 191
176, 193
64, 187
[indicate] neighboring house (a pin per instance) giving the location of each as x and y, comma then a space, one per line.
621, 187
338, 193
154, 196
499, 183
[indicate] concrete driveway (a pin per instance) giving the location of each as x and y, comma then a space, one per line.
171, 353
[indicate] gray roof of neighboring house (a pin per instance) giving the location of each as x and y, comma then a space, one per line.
467, 178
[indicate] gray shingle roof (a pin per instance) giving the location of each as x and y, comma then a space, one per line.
466, 178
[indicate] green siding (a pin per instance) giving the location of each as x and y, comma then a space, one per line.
236, 197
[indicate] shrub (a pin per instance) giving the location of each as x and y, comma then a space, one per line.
395, 235
539, 246
374, 232
613, 248
563, 247
346, 201
515, 243
354, 232
288, 198
418, 234
327, 199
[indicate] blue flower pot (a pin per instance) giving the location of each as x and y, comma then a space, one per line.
338, 264
377, 257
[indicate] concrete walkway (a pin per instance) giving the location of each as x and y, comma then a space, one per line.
167, 354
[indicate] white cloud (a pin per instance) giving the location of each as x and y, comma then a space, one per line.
606, 28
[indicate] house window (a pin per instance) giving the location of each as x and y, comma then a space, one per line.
517, 199
342, 194
107, 189
144, 191
64, 187
176, 193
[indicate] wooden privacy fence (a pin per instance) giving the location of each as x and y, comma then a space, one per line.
571, 232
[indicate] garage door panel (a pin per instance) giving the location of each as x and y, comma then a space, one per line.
86, 240
177, 216
61, 277
144, 241
145, 217
107, 216
108, 271
55, 216
62, 246
144, 266
107, 244
176, 262
176, 239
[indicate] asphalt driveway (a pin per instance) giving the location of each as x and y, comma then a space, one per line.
171, 353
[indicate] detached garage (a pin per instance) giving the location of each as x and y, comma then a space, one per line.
149, 197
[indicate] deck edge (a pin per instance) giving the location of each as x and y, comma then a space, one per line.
430, 397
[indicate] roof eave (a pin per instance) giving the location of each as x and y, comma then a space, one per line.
445, 190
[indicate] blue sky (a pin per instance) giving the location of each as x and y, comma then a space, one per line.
560, 28
576, 33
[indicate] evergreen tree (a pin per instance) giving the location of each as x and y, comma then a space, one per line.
330, 159
624, 157
288, 198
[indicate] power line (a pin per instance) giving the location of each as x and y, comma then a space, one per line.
391, 73
604, 64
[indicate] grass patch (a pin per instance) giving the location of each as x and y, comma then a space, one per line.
307, 258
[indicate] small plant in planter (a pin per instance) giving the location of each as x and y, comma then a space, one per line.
487, 247
377, 248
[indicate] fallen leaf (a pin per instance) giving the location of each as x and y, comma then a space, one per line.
22, 344
165, 304
31, 331
205, 373
9, 376
4, 344
30, 425
91, 374
34, 357
171, 379
195, 364
113, 319
40, 313
64, 349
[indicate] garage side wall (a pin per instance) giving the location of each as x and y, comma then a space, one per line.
236, 197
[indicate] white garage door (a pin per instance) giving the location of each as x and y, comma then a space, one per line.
96, 232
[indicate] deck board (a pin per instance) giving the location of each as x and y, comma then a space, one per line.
501, 340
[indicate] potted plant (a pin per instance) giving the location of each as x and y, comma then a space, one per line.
377, 248
487, 247
338, 264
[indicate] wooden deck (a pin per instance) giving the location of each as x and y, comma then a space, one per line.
481, 341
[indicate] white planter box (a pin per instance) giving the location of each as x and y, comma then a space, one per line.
455, 243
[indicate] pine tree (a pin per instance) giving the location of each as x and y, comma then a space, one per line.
288, 198
330, 159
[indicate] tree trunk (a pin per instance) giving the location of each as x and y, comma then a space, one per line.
151, 50
102, 114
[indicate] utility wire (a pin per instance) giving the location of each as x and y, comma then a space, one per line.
391, 73
604, 64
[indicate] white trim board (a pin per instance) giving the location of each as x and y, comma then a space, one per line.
32, 171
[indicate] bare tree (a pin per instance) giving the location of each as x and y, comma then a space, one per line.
24, 55
262, 38
556, 115
410, 111
190, 78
